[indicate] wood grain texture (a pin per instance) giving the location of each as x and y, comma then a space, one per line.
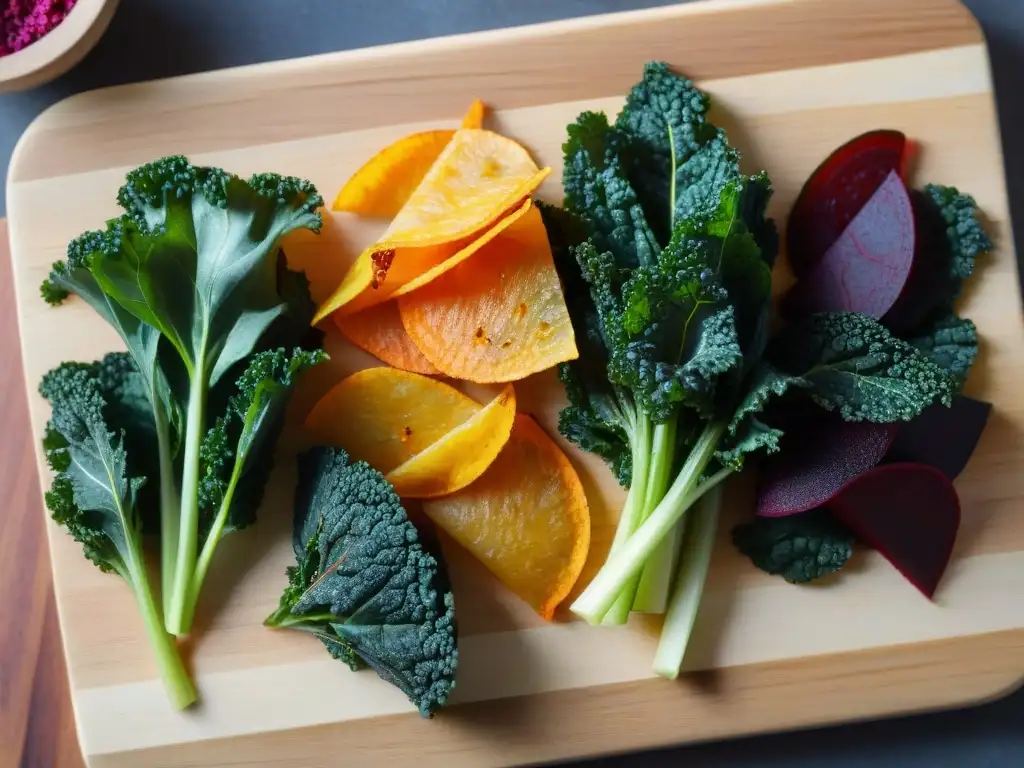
36, 721
791, 80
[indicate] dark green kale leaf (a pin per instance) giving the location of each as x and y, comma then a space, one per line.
690, 318
596, 188
952, 343
364, 584
800, 548
748, 432
95, 494
958, 239
857, 367
92, 496
966, 236
593, 419
237, 454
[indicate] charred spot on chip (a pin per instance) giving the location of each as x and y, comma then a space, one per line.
406, 433
382, 261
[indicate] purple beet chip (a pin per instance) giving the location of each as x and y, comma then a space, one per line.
817, 460
867, 268
941, 437
908, 512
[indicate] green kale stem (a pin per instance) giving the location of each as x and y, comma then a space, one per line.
283, 618
212, 540
694, 561
170, 513
656, 577
627, 561
175, 677
632, 514
178, 616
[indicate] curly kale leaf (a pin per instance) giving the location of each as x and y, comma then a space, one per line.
964, 231
364, 584
952, 343
959, 240
92, 495
593, 419
800, 548
747, 431
596, 188
858, 368
237, 454
697, 313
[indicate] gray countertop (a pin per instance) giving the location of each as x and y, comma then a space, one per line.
158, 38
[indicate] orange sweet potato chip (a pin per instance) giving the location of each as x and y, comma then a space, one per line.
475, 115
526, 518
377, 277
476, 181
461, 456
384, 183
384, 416
499, 316
379, 331
477, 178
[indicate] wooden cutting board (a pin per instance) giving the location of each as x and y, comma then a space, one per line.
791, 80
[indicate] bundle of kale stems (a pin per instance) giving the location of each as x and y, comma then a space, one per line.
175, 436
666, 256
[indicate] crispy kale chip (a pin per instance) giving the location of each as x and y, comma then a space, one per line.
800, 548
364, 584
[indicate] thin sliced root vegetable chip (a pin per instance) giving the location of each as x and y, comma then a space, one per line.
394, 273
461, 456
461, 255
499, 316
385, 182
478, 177
384, 416
379, 331
526, 518
475, 115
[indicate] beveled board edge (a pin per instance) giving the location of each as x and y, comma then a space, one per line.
968, 696
737, 701
761, 35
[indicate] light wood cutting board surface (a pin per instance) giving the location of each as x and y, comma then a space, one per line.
791, 80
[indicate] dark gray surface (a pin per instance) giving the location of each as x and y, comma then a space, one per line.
158, 38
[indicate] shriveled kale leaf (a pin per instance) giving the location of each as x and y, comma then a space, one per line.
364, 584
800, 548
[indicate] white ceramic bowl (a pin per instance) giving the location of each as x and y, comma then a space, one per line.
58, 51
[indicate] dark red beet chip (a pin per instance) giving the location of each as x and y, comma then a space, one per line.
816, 461
836, 192
941, 437
908, 512
867, 268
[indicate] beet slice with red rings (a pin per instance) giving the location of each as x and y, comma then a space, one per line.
818, 458
908, 512
867, 268
836, 192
